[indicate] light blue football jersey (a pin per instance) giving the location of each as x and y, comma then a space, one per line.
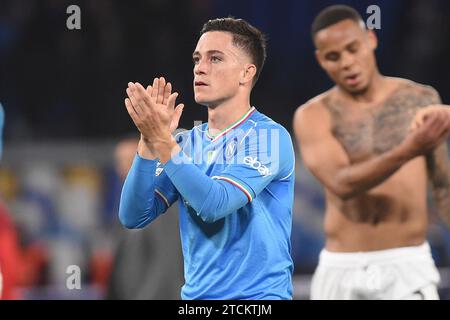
246, 253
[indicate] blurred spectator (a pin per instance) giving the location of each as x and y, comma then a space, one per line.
148, 262
18, 266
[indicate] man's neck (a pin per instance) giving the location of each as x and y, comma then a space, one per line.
226, 114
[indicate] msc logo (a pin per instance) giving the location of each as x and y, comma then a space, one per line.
255, 164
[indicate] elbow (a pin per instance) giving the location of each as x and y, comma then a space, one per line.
345, 187
209, 217
343, 191
125, 221
215, 209
212, 215
126, 218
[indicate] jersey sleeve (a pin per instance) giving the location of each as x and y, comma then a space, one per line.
265, 155
164, 188
147, 192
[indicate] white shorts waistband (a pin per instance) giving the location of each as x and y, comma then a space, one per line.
357, 259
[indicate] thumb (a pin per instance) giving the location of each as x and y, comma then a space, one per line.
178, 111
413, 126
176, 117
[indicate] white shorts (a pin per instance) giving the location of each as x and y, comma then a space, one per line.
400, 273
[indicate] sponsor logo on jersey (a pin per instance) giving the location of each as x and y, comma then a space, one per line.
255, 164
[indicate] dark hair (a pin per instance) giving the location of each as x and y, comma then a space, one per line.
332, 15
245, 36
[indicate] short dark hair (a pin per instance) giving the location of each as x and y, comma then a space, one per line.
245, 36
332, 15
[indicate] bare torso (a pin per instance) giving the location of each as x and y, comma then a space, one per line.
394, 213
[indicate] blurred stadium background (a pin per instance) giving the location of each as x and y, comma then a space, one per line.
63, 93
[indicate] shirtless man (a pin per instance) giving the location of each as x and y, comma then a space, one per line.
373, 151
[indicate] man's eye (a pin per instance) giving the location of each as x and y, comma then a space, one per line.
215, 59
353, 49
333, 57
195, 60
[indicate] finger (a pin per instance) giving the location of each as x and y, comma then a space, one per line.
413, 126
161, 86
176, 117
144, 98
430, 119
134, 101
171, 100
420, 117
178, 111
131, 111
149, 90
445, 126
155, 88
442, 138
167, 92
438, 126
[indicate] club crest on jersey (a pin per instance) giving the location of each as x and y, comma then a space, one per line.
159, 169
231, 150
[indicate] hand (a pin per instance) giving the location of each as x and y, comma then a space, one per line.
160, 96
154, 115
432, 131
422, 114
161, 92
144, 147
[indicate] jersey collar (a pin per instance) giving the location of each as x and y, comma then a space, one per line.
232, 126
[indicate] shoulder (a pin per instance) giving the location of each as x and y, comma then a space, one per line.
263, 123
313, 111
415, 88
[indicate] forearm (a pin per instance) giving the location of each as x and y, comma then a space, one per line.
211, 199
144, 151
358, 178
442, 201
138, 203
438, 166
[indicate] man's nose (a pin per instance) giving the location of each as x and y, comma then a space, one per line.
347, 60
201, 67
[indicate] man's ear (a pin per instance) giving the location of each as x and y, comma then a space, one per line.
248, 74
373, 39
318, 57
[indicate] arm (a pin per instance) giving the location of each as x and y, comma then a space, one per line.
145, 193
211, 199
438, 165
144, 196
254, 166
329, 162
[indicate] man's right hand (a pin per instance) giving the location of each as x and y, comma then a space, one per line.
429, 135
161, 93
424, 113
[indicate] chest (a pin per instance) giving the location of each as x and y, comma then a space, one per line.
213, 158
369, 132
